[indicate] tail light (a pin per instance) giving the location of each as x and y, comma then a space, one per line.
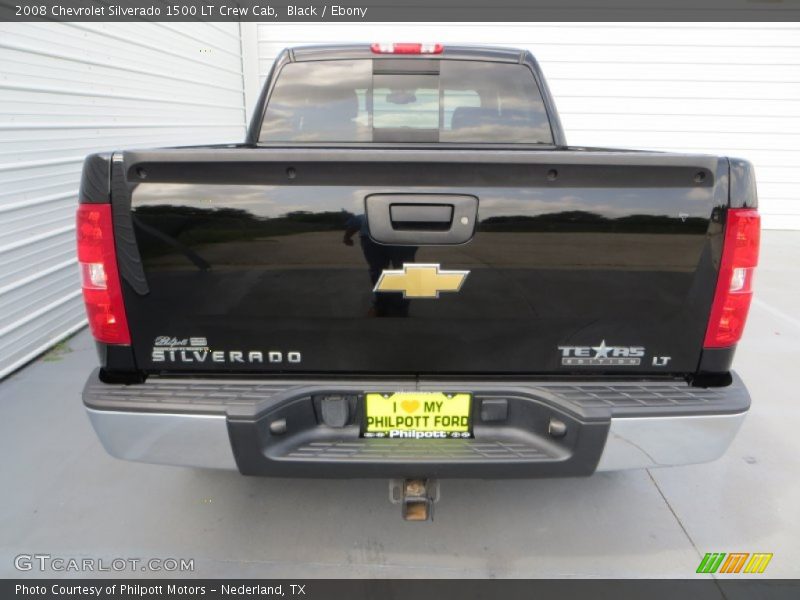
102, 292
735, 284
407, 48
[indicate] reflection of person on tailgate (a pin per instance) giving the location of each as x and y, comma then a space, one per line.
380, 257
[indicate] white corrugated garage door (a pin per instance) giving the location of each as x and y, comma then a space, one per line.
70, 89
730, 89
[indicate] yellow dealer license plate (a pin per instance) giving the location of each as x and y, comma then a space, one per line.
418, 415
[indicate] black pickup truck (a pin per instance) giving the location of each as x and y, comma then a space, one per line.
406, 272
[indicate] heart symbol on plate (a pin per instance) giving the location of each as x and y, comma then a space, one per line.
410, 405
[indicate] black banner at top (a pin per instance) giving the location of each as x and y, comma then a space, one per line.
397, 10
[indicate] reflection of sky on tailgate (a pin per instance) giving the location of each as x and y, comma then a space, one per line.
275, 201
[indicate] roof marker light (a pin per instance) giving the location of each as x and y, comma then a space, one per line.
389, 48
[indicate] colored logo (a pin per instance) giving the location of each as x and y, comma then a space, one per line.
420, 281
735, 562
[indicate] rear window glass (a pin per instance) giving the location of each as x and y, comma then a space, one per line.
348, 101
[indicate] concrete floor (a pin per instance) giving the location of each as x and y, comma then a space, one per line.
62, 495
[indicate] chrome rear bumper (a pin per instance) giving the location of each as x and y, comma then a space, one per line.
645, 442
203, 441
227, 425
164, 438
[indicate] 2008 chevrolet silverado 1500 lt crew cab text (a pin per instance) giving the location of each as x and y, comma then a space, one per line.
406, 272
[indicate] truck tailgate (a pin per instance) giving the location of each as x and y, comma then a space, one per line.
600, 262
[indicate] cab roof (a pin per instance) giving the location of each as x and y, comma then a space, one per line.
355, 51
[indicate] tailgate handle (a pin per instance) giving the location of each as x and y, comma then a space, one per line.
421, 219
437, 217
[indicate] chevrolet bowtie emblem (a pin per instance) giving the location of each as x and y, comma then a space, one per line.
421, 281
